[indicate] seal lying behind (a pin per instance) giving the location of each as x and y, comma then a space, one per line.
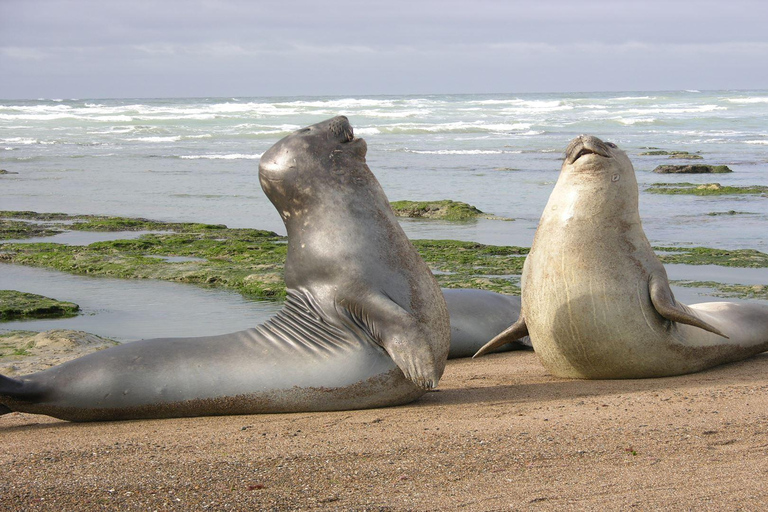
364, 323
596, 300
477, 316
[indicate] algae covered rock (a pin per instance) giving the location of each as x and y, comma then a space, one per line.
692, 169
684, 155
445, 209
705, 189
15, 305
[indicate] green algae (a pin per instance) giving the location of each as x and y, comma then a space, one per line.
108, 223
444, 210
738, 291
252, 261
247, 260
672, 154
706, 189
730, 212
15, 229
459, 264
686, 156
692, 169
16, 305
745, 258
252, 265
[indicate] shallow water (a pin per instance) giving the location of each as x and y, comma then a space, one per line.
128, 310
718, 274
83, 237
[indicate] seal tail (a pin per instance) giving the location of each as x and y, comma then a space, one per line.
9, 389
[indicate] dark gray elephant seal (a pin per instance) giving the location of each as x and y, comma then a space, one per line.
364, 324
477, 316
596, 300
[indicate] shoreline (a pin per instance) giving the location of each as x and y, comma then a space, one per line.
499, 433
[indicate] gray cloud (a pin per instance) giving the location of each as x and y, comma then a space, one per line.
93, 48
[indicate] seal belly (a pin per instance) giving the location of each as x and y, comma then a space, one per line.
585, 323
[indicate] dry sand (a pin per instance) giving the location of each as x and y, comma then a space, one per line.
498, 434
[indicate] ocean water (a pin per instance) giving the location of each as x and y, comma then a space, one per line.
197, 160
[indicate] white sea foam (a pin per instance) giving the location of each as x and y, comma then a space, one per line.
19, 140
675, 110
632, 98
234, 156
754, 99
763, 142
458, 126
635, 120
463, 152
113, 130
520, 102
155, 139
341, 103
260, 129
391, 114
35, 117
367, 131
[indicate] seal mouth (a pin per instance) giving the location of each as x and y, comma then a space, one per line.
586, 145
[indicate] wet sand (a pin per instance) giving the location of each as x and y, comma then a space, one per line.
498, 434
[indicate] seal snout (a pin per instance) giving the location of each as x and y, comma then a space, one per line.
341, 129
587, 145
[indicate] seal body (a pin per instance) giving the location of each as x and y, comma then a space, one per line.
364, 324
595, 298
477, 316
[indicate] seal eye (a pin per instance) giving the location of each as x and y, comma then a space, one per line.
611, 145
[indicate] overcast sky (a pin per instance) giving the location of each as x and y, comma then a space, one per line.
176, 48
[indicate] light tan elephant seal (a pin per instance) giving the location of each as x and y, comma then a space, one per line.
596, 300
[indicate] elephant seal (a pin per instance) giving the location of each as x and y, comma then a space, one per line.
364, 323
596, 300
477, 316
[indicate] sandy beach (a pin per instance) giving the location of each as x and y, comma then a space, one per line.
499, 433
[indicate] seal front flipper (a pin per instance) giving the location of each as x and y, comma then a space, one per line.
665, 304
516, 331
420, 353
